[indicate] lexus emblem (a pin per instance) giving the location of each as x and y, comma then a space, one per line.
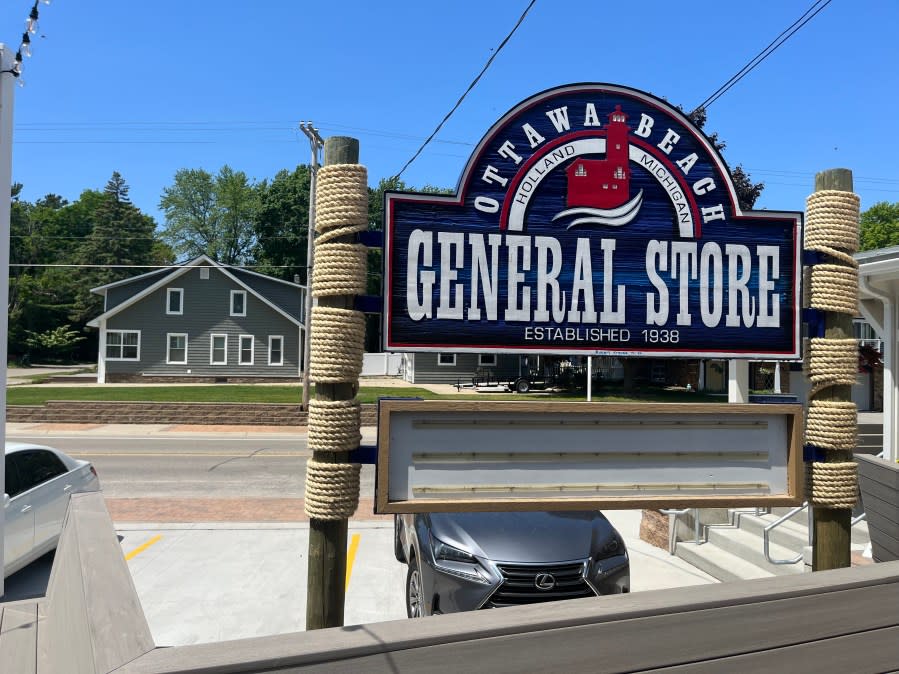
544, 581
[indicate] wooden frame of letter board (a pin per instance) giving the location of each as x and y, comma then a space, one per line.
794, 467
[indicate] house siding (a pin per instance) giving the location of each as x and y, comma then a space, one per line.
206, 311
288, 297
115, 296
427, 371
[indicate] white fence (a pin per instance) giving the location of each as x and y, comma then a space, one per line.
382, 364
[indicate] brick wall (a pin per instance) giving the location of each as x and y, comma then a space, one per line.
56, 411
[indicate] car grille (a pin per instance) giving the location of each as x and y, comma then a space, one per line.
519, 584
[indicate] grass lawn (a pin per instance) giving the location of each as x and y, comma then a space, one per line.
249, 393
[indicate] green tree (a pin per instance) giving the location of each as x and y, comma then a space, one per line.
281, 224
879, 226
55, 343
120, 242
211, 215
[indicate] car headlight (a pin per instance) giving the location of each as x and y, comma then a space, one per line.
612, 548
457, 562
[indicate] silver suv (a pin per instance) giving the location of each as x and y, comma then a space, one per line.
466, 561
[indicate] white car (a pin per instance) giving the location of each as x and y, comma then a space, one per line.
38, 483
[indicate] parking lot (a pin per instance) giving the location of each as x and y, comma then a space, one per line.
213, 582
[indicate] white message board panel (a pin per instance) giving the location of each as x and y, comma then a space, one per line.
449, 456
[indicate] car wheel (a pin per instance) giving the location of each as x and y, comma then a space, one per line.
415, 607
522, 386
398, 551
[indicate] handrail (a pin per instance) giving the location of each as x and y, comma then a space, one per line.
672, 529
776, 523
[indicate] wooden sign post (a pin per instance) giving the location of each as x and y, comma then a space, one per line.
831, 530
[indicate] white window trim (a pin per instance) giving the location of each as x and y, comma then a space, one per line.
240, 349
168, 301
212, 337
492, 356
168, 348
204, 273
270, 339
231, 303
121, 347
439, 364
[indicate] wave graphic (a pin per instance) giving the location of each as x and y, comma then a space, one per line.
613, 217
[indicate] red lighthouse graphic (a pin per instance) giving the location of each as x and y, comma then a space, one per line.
603, 183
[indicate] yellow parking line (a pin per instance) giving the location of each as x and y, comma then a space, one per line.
350, 558
139, 549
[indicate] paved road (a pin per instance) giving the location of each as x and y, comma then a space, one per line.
194, 467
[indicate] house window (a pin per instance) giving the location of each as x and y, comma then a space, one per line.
218, 350
204, 273
238, 302
275, 350
619, 173
123, 345
605, 186
246, 350
446, 359
581, 171
174, 301
486, 360
176, 350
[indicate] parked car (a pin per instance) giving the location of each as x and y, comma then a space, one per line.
466, 561
39, 481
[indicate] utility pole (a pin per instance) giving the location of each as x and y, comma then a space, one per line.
8, 75
315, 145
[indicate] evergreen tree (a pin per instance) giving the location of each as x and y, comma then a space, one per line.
121, 239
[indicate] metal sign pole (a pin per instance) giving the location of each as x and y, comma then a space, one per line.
315, 145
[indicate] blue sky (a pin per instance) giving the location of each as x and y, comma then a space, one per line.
147, 88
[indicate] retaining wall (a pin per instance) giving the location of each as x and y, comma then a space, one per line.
259, 414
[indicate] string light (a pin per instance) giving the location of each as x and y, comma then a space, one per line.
31, 28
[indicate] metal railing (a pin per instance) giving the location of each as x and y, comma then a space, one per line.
776, 523
672, 527
795, 511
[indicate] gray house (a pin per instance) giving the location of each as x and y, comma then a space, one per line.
201, 321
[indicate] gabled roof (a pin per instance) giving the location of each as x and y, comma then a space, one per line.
173, 273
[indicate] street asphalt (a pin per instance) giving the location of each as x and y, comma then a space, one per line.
204, 581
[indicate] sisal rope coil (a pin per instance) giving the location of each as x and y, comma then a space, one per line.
833, 485
336, 344
339, 269
332, 490
334, 425
831, 362
831, 224
832, 424
341, 201
834, 287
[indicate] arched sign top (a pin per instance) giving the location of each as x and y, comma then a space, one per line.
594, 219
550, 129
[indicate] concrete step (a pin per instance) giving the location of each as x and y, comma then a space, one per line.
718, 563
790, 534
750, 548
793, 532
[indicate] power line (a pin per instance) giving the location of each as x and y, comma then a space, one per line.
470, 87
785, 35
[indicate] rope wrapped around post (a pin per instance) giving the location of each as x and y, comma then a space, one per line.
831, 425
336, 340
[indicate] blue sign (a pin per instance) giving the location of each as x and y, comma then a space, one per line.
592, 219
